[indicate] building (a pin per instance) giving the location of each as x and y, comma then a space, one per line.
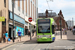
56, 18
70, 23
23, 9
4, 26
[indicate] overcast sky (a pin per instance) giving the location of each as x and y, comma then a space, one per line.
67, 7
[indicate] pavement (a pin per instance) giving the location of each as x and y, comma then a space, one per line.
67, 42
26, 39
68, 36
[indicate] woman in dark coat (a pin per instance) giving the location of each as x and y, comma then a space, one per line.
29, 32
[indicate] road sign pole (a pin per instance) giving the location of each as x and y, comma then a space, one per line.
30, 33
30, 20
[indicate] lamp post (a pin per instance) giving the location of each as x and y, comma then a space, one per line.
60, 27
13, 17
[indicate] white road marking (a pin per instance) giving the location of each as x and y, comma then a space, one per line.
34, 47
48, 46
8, 47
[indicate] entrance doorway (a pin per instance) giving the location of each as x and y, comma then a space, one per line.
26, 30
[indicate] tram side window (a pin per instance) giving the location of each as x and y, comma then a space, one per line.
52, 29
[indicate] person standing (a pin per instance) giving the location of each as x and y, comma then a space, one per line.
73, 30
19, 34
6, 37
33, 32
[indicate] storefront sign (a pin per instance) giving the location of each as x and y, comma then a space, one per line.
2, 19
16, 18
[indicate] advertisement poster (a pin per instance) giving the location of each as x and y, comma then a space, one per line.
21, 29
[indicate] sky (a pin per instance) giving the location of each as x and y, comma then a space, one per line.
67, 7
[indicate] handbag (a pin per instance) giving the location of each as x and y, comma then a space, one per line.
4, 36
9, 39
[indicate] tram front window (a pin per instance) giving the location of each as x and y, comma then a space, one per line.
44, 28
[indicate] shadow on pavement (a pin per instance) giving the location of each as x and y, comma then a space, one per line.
34, 41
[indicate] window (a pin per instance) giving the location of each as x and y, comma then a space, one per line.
14, 3
23, 11
19, 5
44, 26
4, 3
53, 29
19, 8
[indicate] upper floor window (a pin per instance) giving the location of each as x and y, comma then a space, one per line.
4, 3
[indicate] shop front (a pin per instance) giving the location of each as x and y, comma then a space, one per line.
18, 24
26, 28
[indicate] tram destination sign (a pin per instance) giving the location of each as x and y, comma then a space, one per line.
44, 20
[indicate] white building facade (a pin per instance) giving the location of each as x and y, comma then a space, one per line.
70, 23
23, 9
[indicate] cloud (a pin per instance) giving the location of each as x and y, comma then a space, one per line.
67, 7
56, 4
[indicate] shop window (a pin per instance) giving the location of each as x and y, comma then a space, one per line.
19, 8
23, 11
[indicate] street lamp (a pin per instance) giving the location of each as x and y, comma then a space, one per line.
13, 17
60, 26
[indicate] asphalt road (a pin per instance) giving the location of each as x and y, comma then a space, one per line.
33, 45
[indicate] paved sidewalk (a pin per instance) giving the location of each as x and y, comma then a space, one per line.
23, 39
68, 36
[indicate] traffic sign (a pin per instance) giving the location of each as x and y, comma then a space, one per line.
30, 19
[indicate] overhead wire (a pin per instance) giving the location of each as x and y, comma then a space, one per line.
48, 4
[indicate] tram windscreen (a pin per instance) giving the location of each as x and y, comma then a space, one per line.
44, 26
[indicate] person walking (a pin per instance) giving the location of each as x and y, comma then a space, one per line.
33, 32
29, 33
73, 30
6, 37
19, 34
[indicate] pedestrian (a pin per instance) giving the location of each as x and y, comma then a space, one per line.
6, 37
29, 33
19, 34
65, 31
73, 30
32, 32
3, 36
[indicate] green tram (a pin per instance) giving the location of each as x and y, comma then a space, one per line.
45, 29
